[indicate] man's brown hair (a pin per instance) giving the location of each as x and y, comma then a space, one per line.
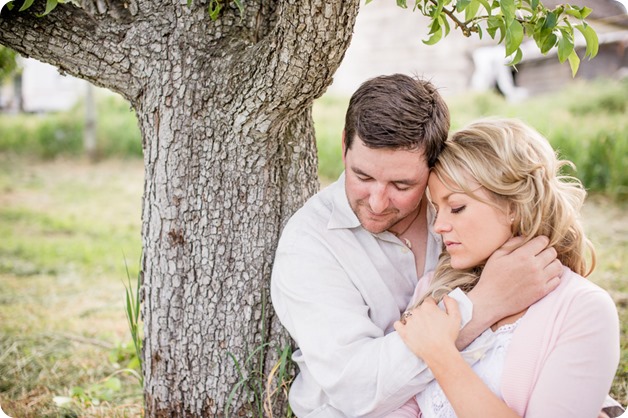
398, 112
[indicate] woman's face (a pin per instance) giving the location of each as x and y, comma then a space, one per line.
471, 229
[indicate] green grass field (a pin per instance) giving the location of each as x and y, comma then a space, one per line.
68, 228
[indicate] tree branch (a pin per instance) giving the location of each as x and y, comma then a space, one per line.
298, 57
92, 47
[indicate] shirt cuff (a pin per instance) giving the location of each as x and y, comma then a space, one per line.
476, 350
464, 305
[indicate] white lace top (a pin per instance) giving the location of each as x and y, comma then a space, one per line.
432, 400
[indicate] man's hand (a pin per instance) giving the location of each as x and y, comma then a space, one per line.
515, 277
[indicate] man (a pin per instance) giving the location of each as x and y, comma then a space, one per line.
348, 261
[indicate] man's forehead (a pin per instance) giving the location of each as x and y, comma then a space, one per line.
389, 166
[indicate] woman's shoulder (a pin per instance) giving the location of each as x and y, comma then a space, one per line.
573, 283
579, 293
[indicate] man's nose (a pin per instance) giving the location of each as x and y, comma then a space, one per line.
378, 200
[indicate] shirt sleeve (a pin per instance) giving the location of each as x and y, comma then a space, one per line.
478, 347
410, 409
362, 371
578, 373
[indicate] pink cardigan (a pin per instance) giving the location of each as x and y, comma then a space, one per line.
563, 355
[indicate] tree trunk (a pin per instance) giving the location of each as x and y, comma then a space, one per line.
225, 113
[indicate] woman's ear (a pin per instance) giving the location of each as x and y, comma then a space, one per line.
512, 218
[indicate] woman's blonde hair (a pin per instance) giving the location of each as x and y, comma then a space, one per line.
520, 171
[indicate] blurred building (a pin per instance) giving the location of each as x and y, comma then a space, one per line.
41, 88
388, 39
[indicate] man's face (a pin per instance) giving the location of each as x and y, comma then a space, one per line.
383, 186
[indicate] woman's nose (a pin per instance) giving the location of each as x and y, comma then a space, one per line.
441, 225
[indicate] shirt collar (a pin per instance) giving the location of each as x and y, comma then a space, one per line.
342, 216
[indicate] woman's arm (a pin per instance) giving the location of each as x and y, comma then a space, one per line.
578, 371
431, 334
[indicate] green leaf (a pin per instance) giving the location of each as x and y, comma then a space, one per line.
50, 6
238, 3
461, 5
514, 36
436, 36
402, 3
486, 6
548, 43
435, 26
592, 40
214, 9
545, 27
479, 31
550, 21
26, 5
472, 10
444, 23
189, 3
565, 46
493, 24
585, 11
574, 12
533, 4
439, 9
517, 58
574, 62
508, 9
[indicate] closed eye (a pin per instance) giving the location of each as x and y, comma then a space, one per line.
401, 187
458, 209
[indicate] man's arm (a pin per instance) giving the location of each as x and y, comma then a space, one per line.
361, 371
514, 278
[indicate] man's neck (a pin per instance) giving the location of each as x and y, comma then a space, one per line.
410, 222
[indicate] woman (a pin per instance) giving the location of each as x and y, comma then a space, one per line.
495, 180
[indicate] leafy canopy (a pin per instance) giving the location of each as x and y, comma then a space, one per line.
509, 21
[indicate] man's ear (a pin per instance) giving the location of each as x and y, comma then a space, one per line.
344, 151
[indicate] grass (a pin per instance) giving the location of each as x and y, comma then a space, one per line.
67, 226
61, 133
63, 330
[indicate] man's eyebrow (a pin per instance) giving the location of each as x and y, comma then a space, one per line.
407, 182
358, 171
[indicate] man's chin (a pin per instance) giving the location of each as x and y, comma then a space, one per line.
375, 227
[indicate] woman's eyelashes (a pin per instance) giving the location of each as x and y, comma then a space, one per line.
453, 209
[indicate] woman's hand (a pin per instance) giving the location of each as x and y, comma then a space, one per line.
428, 330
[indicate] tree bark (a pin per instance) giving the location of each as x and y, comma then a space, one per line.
224, 109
